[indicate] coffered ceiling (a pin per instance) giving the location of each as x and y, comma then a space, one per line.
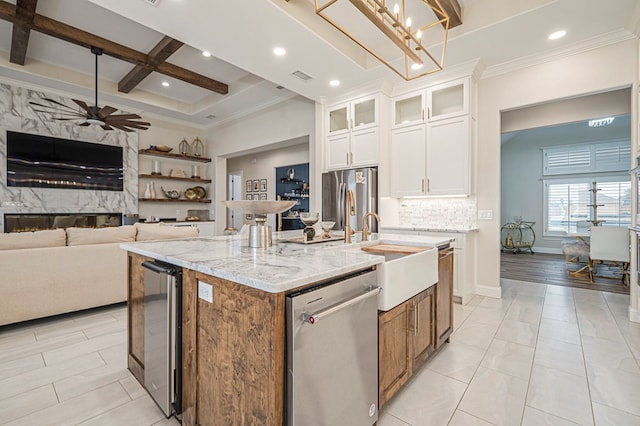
241, 35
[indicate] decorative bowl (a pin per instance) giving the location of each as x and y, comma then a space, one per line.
171, 194
162, 148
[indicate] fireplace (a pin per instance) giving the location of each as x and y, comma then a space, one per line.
38, 221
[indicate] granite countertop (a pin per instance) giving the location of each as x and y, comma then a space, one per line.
281, 267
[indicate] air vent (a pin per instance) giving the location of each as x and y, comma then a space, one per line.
302, 76
279, 87
210, 116
152, 2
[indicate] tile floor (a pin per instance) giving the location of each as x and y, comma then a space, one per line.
541, 355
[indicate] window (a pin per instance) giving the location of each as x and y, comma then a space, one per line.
568, 202
614, 156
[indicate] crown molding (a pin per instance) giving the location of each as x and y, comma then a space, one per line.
597, 42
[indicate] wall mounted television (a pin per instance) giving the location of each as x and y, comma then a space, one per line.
38, 161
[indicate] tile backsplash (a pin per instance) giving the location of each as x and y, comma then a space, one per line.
460, 214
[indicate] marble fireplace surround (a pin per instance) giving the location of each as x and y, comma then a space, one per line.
16, 114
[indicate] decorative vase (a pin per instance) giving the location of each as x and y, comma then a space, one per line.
147, 191
153, 190
291, 173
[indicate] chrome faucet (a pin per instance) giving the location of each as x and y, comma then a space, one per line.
365, 227
349, 210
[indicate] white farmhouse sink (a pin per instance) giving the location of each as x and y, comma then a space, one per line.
407, 271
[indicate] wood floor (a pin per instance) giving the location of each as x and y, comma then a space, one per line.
552, 269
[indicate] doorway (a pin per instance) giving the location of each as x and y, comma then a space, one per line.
550, 156
234, 192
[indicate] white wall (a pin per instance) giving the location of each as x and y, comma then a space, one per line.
263, 165
265, 130
598, 70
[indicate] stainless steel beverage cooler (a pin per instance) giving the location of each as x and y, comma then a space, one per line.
163, 335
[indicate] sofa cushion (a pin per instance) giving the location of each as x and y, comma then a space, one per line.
115, 234
35, 239
160, 231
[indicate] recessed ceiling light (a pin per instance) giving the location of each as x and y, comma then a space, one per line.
279, 51
334, 83
206, 54
556, 35
165, 84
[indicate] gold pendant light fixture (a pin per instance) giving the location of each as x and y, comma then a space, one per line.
408, 36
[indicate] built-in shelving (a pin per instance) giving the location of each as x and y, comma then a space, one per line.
173, 156
188, 179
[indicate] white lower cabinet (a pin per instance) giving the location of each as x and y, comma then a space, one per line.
431, 159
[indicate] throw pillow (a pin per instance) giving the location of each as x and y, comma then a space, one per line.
35, 239
115, 234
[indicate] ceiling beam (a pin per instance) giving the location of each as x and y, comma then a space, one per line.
76, 36
451, 8
20, 33
160, 53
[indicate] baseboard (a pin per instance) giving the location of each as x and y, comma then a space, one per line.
634, 314
489, 291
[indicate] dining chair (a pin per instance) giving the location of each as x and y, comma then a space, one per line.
609, 244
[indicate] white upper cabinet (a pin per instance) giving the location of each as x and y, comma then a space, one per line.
408, 109
354, 115
448, 156
448, 100
439, 102
352, 134
407, 166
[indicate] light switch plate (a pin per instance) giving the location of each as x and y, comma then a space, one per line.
485, 214
205, 291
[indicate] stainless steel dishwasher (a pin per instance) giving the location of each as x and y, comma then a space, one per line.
332, 353
163, 335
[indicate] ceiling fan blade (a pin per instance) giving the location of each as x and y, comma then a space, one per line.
132, 124
106, 127
106, 111
120, 127
84, 124
124, 117
53, 101
62, 113
83, 105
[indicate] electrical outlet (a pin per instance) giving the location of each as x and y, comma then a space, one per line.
205, 291
485, 214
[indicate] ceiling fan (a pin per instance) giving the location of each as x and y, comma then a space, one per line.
104, 117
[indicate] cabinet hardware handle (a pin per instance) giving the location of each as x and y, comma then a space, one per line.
351, 157
312, 318
416, 320
429, 113
428, 185
422, 185
347, 158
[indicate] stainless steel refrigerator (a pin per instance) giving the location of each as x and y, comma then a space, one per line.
364, 184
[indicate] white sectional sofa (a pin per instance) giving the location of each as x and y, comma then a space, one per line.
52, 272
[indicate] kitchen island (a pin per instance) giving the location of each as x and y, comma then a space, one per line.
233, 345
